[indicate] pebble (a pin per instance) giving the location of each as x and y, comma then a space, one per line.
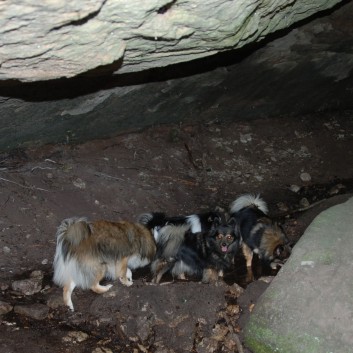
259, 177
35, 311
102, 350
268, 149
336, 189
79, 183
76, 337
245, 138
5, 308
6, 249
37, 274
294, 188
30, 285
304, 202
3, 286
305, 177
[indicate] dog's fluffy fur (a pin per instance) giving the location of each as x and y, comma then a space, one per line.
86, 252
260, 235
204, 253
195, 223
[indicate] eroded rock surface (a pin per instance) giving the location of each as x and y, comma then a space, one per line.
53, 39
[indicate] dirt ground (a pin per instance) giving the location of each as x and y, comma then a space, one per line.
295, 163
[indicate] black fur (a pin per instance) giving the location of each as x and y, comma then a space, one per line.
246, 220
157, 220
198, 253
260, 234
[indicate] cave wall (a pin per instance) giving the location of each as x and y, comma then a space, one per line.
303, 70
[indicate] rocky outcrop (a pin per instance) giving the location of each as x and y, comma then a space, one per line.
54, 39
303, 71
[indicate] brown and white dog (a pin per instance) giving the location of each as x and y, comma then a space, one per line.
259, 233
87, 252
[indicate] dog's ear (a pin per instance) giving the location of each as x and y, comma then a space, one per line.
216, 221
232, 222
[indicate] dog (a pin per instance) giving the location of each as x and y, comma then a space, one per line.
204, 254
259, 234
194, 223
87, 252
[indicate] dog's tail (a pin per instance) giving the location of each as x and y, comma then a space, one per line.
69, 235
73, 230
152, 220
248, 200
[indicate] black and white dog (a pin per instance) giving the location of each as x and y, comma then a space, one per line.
202, 245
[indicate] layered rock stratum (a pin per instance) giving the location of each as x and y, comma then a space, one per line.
53, 39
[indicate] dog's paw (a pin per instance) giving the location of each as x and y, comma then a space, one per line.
125, 281
129, 275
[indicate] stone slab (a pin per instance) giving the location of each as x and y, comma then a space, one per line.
309, 305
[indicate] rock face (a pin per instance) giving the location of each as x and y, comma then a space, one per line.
308, 306
53, 39
307, 70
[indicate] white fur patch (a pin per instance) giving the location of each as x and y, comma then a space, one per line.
156, 233
255, 229
194, 222
136, 261
71, 269
129, 275
248, 200
180, 268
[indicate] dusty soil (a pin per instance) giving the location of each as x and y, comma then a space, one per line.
178, 169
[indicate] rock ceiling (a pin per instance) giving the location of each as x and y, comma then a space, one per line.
50, 39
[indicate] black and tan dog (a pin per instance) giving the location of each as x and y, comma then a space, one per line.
203, 254
260, 235
87, 252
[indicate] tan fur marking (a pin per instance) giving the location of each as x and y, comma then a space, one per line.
121, 268
160, 268
209, 275
248, 254
271, 239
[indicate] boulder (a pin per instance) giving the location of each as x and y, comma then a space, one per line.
308, 306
